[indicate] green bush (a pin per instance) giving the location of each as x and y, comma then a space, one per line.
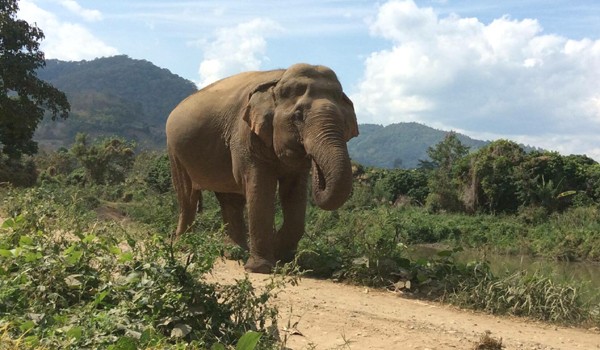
106, 161
364, 249
572, 235
18, 172
70, 281
402, 182
158, 177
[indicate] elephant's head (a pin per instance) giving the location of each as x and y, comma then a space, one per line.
305, 115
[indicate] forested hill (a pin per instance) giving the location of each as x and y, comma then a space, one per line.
132, 98
113, 96
399, 145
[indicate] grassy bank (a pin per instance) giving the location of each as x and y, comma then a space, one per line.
570, 235
366, 243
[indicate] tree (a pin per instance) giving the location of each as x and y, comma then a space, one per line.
446, 153
106, 161
553, 181
443, 186
490, 184
24, 98
404, 182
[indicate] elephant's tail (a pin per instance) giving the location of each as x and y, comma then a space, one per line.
188, 197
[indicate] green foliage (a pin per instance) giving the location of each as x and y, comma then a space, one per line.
491, 180
501, 178
446, 153
368, 246
373, 186
23, 96
366, 249
444, 192
71, 281
406, 183
71, 277
158, 176
18, 172
571, 236
248, 341
554, 182
56, 165
105, 161
523, 294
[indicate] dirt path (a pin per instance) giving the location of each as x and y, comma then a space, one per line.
337, 316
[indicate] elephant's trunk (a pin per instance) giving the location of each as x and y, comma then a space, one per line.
331, 171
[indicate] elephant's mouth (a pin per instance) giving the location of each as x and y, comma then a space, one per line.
293, 157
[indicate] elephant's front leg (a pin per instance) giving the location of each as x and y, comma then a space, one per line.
260, 200
293, 196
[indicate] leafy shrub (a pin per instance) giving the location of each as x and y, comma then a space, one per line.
56, 165
69, 281
77, 177
443, 180
18, 172
365, 249
106, 161
401, 182
158, 177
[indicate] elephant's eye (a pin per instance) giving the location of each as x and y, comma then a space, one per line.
298, 116
285, 92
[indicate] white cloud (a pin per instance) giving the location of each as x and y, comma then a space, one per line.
236, 49
506, 78
64, 40
88, 15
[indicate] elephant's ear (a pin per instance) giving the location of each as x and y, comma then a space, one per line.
259, 111
351, 121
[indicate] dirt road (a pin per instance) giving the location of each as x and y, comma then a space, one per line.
337, 316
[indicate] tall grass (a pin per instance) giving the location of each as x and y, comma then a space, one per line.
367, 245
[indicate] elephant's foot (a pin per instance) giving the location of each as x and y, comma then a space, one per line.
258, 265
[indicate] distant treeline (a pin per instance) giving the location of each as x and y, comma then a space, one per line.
497, 178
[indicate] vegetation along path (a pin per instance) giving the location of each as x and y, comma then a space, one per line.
320, 314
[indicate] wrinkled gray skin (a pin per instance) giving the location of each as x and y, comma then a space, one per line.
247, 135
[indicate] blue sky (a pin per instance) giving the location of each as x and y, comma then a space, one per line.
524, 70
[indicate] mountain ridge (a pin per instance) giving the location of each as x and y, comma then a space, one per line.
114, 95
399, 145
132, 98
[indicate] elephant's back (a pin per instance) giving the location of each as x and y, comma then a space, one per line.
220, 100
233, 89
217, 107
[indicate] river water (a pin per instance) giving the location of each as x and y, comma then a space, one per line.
560, 271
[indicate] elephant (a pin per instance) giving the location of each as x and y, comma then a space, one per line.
256, 135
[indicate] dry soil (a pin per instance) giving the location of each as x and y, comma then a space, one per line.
321, 314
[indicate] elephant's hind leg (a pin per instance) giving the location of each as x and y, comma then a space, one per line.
232, 210
188, 197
